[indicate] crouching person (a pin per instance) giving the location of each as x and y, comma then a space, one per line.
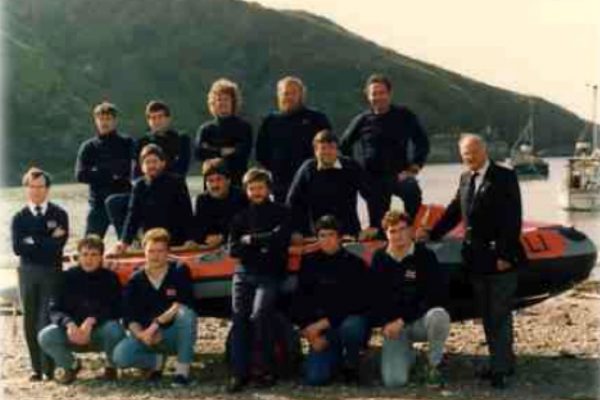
330, 307
84, 313
411, 290
158, 313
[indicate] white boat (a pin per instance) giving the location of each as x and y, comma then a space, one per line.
581, 184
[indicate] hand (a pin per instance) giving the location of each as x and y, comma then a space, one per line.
190, 244
214, 240
368, 234
88, 324
422, 234
393, 329
297, 239
120, 248
58, 232
410, 172
227, 151
151, 335
76, 335
503, 265
246, 239
319, 344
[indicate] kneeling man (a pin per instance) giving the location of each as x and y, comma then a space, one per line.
329, 307
411, 290
158, 313
84, 313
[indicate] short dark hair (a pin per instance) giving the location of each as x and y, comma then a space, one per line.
152, 150
257, 175
92, 242
393, 217
327, 222
325, 136
105, 108
157, 106
379, 78
35, 173
215, 167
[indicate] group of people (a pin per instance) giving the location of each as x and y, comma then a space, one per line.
307, 187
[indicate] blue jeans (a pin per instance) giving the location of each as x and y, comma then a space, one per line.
116, 208
54, 342
253, 306
179, 338
345, 343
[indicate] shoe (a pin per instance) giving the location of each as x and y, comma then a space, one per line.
66, 376
153, 376
180, 381
266, 381
499, 381
434, 378
236, 384
35, 377
110, 374
486, 373
351, 376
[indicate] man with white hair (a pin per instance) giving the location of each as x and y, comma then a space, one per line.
488, 200
285, 137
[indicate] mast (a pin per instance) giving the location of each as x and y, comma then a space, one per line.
594, 110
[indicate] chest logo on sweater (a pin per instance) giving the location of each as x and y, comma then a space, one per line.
410, 274
51, 224
171, 292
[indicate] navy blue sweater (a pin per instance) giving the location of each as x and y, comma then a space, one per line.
333, 191
213, 216
268, 224
86, 294
330, 286
380, 142
407, 289
45, 251
163, 202
105, 163
142, 303
232, 131
284, 142
177, 148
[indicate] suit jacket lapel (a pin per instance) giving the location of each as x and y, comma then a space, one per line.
485, 184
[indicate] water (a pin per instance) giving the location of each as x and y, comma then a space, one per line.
439, 183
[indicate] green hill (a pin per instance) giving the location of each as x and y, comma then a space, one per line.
66, 55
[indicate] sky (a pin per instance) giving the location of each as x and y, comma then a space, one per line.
545, 48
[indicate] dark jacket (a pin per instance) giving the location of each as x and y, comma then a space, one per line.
142, 302
163, 202
268, 225
493, 225
84, 294
409, 288
177, 148
105, 163
284, 142
330, 286
315, 193
45, 252
233, 131
380, 142
213, 216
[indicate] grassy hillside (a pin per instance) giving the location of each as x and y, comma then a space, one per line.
66, 55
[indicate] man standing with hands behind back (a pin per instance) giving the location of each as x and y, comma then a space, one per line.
489, 201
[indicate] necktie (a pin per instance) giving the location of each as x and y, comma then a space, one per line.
38, 211
471, 191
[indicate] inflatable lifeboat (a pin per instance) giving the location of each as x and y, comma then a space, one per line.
558, 258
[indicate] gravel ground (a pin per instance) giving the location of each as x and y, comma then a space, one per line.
557, 344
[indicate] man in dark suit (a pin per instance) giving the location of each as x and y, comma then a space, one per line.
488, 200
39, 233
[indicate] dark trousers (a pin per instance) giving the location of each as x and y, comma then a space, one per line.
36, 287
494, 296
253, 306
116, 207
387, 185
97, 221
